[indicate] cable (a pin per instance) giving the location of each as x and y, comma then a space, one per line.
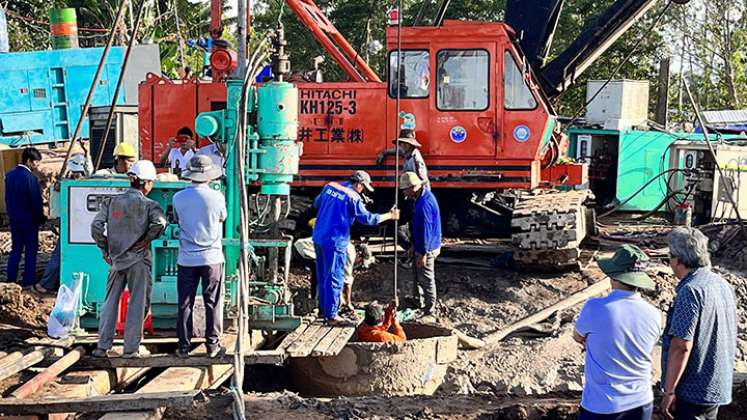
625, 60
699, 117
617, 207
396, 155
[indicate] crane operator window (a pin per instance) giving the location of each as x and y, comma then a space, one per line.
516, 92
415, 79
462, 80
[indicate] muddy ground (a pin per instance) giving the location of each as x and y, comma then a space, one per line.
534, 374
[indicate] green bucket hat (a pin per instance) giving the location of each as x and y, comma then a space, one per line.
628, 266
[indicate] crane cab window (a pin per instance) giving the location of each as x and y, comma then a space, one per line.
463, 81
415, 77
516, 92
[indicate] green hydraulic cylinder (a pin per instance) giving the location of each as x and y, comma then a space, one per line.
277, 125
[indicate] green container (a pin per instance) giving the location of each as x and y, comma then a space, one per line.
64, 42
63, 16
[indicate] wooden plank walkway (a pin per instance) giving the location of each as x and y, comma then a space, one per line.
317, 340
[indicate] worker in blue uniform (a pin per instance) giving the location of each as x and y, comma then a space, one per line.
338, 206
23, 200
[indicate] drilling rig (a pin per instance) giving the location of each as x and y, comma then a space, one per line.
479, 97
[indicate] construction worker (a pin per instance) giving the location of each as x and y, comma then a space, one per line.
124, 228
76, 168
338, 206
23, 200
409, 149
426, 239
381, 326
200, 211
700, 339
619, 332
304, 248
176, 159
124, 156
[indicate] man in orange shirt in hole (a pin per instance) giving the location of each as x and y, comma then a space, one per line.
380, 327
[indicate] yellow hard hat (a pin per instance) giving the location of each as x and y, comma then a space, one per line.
125, 150
312, 222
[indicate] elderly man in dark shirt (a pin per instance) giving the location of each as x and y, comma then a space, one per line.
700, 337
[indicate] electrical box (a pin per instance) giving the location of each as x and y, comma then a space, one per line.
622, 162
620, 105
698, 184
80, 201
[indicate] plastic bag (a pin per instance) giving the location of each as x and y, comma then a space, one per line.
64, 314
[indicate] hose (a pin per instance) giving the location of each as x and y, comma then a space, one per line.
650, 181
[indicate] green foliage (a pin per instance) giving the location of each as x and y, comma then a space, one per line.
28, 36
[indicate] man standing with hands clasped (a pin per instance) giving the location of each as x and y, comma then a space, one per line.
201, 212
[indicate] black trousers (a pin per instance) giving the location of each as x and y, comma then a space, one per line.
684, 410
188, 279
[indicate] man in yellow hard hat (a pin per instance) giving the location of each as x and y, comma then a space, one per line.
124, 155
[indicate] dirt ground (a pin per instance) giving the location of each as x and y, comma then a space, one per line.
532, 375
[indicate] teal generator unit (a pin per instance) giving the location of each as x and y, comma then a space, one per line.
621, 162
43, 92
79, 202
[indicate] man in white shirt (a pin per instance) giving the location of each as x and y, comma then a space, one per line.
177, 158
216, 152
619, 332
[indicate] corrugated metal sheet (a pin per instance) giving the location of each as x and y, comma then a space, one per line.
725, 117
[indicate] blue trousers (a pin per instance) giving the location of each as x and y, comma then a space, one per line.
643, 412
330, 271
51, 278
24, 239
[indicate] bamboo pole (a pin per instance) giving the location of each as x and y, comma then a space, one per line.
49, 373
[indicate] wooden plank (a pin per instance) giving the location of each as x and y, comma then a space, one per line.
100, 404
321, 348
304, 345
93, 339
574, 299
27, 360
49, 373
171, 360
343, 338
178, 379
293, 336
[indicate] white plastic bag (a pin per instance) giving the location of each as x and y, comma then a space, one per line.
64, 313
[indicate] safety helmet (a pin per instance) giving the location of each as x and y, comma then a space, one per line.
76, 163
143, 170
125, 150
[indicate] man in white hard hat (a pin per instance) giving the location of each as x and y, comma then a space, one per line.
124, 156
124, 228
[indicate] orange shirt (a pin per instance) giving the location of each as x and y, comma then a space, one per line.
381, 333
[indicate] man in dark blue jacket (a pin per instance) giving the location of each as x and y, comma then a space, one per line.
338, 206
24, 203
426, 239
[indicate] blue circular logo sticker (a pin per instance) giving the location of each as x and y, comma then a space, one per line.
458, 134
522, 133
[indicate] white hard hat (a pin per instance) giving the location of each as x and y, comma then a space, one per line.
143, 170
76, 163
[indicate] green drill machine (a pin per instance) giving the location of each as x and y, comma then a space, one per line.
260, 167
